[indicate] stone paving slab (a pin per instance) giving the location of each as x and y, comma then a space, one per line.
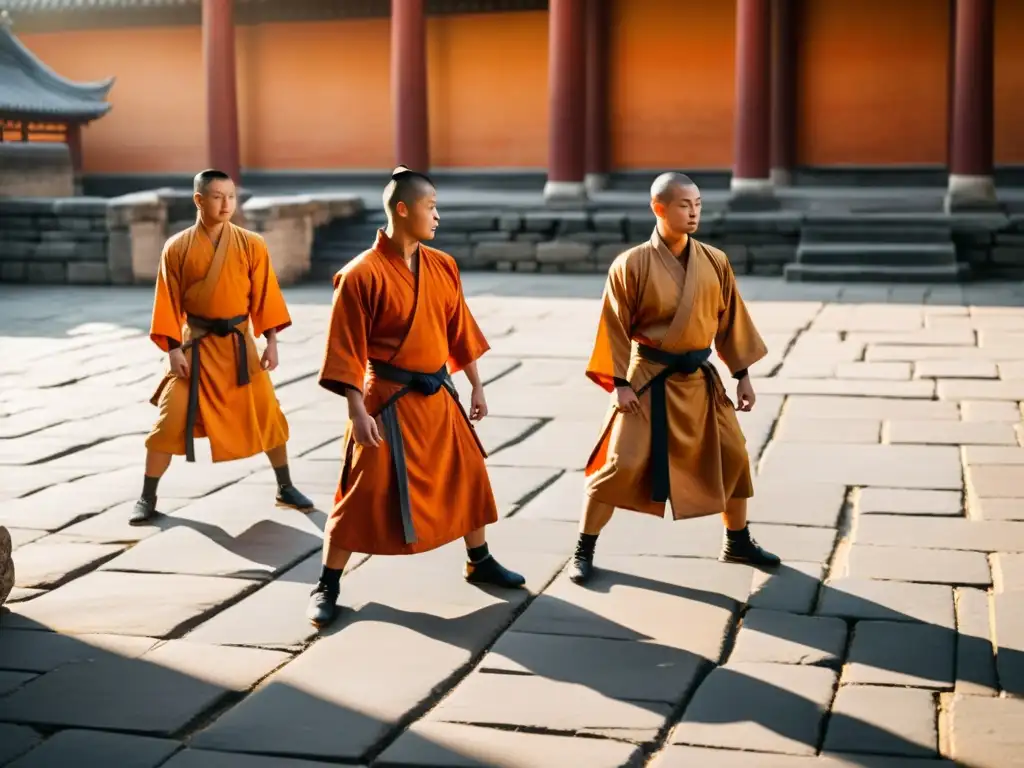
781, 638
805, 430
975, 655
851, 598
890, 721
1009, 634
986, 732
891, 466
89, 748
901, 654
928, 566
51, 562
687, 757
942, 533
16, 740
901, 501
201, 758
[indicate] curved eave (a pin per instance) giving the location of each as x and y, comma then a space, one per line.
41, 114
47, 78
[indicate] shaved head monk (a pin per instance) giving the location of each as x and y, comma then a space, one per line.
413, 476
671, 434
215, 291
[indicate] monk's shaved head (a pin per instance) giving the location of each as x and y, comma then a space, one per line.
406, 186
202, 180
667, 185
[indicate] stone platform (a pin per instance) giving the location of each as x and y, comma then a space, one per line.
889, 476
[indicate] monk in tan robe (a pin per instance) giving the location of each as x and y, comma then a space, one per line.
215, 290
671, 434
413, 476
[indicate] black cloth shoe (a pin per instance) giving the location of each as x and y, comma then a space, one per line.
143, 511
581, 568
289, 496
490, 571
740, 547
323, 605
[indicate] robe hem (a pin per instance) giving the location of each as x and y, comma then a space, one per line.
336, 543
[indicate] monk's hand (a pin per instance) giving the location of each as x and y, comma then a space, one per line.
178, 363
364, 430
745, 397
627, 400
269, 359
477, 404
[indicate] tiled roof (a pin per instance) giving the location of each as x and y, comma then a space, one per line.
95, 5
30, 88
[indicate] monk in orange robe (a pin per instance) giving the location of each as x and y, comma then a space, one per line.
216, 289
671, 433
413, 476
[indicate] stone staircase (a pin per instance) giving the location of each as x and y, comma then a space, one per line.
876, 248
338, 242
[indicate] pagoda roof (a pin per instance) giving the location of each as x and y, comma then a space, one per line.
30, 89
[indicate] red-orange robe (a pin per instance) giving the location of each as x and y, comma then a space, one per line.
419, 322
651, 298
239, 279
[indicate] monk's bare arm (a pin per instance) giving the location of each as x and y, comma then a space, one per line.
473, 375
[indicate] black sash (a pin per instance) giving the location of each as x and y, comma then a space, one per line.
684, 363
218, 327
427, 384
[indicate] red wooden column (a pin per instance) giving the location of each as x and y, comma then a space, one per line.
409, 84
221, 90
784, 90
598, 161
971, 162
567, 84
751, 173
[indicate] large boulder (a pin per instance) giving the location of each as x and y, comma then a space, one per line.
6, 565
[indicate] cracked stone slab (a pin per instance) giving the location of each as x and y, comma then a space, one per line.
941, 533
775, 637
141, 604
892, 466
49, 563
928, 566
890, 721
901, 654
430, 744
87, 748
22, 536
865, 599
16, 740
986, 732
760, 707
185, 678
11, 681
975, 656
903, 501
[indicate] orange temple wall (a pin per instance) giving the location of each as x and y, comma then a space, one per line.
314, 95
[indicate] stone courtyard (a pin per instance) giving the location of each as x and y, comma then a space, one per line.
887, 444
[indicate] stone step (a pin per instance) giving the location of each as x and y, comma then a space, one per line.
852, 273
865, 233
877, 254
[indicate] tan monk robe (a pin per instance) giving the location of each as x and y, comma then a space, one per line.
417, 323
650, 298
236, 284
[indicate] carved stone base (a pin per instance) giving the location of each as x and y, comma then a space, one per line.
6, 565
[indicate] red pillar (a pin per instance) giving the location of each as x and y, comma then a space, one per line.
784, 90
752, 154
409, 84
567, 84
221, 90
971, 161
597, 162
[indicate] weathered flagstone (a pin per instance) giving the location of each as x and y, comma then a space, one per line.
952, 433
143, 604
806, 430
22, 536
760, 707
1008, 571
923, 389
53, 561
434, 744
316, 479
16, 740
955, 369
20, 594
892, 466
1009, 634
203, 758
513, 484
991, 454
112, 526
901, 653
60, 505
998, 509
792, 586
928, 566
795, 502
986, 732
977, 389
975, 657
941, 533
1000, 481
989, 410
690, 757
878, 371
88, 748
41, 652
887, 601
903, 501
891, 721
782, 638
824, 407
556, 444
10, 681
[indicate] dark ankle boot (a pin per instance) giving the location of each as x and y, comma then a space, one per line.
323, 605
581, 567
740, 547
142, 512
289, 496
490, 571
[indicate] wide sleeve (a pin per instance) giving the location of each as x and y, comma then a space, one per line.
267, 309
345, 359
168, 316
466, 342
737, 341
612, 347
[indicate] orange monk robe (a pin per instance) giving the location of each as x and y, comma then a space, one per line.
239, 279
420, 323
651, 298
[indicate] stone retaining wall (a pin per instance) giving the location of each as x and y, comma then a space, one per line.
61, 240
36, 169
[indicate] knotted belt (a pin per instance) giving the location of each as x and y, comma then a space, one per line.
428, 384
204, 326
684, 363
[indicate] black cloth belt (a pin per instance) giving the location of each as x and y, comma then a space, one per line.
217, 327
427, 384
685, 363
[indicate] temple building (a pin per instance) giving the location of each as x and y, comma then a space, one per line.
580, 93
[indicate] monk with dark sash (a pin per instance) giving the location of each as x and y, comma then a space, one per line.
413, 476
216, 289
672, 434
